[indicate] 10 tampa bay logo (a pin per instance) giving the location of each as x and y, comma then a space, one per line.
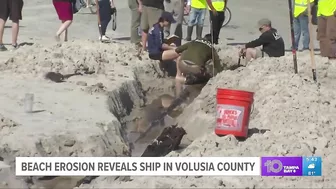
281, 166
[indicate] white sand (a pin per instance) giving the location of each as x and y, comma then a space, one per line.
76, 120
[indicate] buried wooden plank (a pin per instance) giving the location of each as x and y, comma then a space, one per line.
169, 140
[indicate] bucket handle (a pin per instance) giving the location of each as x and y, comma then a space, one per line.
252, 108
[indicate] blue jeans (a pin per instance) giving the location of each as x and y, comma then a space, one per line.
301, 27
196, 17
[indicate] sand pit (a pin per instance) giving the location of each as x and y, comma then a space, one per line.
85, 115
292, 115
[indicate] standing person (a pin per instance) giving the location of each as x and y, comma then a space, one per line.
326, 33
11, 9
65, 14
301, 23
176, 7
136, 9
151, 12
272, 43
217, 16
106, 8
196, 18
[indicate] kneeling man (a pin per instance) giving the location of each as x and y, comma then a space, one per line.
195, 60
269, 44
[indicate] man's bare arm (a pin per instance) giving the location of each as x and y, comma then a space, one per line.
210, 5
139, 2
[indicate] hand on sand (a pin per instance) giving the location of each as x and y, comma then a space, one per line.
242, 51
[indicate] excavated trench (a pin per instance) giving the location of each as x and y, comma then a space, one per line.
135, 104
139, 104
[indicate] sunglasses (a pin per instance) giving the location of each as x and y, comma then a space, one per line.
261, 28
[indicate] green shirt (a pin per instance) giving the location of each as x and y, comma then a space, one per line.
200, 52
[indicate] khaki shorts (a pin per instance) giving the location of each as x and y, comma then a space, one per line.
260, 53
326, 34
189, 67
149, 17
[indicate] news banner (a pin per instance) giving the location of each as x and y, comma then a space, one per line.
169, 166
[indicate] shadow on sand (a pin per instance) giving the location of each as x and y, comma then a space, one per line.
122, 38
251, 132
22, 44
6, 27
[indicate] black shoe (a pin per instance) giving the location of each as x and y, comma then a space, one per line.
3, 48
199, 30
189, 33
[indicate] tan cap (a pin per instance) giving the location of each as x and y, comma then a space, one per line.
264, 22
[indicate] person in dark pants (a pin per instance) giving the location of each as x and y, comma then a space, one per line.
106, 7
217, 16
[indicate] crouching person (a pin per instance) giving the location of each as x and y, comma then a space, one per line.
157, 49
269, 44
194, 65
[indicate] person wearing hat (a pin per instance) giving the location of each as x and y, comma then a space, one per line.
269, 44
176, 7
197, 58
157, 49
151, 12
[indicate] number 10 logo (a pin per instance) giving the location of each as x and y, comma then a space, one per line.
273, 166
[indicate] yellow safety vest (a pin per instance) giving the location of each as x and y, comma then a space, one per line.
326, 7
198, 4
300, 6
219, 5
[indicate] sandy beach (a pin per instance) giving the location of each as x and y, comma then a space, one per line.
86, 114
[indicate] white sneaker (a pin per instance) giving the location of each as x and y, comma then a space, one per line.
14, 47
104, 38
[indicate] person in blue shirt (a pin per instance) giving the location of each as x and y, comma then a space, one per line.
157, 49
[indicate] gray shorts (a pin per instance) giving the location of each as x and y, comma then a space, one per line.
149, 17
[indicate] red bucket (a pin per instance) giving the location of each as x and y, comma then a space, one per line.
233, 112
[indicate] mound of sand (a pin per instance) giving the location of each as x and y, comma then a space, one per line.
70, 118
292, 116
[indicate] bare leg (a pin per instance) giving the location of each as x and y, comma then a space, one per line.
251, 53
179, 75
144, 37
2, 28
178, 87
65, 36
15, 32
65, 25
169, 55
